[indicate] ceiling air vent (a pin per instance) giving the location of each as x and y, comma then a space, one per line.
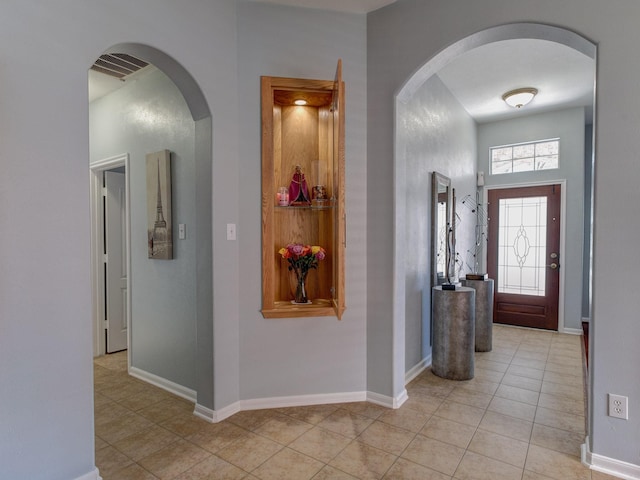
118, 65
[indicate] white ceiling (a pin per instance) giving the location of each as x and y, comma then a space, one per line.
563, 76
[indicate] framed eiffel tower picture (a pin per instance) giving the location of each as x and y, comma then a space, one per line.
159, 224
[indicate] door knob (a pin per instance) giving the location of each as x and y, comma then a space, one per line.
554, 266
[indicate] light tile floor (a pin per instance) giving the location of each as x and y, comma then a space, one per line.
522, 417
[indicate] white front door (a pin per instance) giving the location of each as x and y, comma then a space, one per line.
115, 261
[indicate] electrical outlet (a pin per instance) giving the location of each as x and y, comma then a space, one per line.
618, 406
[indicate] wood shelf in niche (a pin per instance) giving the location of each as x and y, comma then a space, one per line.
311, 136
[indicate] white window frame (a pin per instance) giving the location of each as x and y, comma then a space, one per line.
534, 157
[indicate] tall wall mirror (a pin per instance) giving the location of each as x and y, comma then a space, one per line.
441, 214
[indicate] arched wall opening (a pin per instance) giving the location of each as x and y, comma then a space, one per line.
411, 303
170, 359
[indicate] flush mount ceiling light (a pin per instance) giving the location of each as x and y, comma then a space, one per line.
519, 97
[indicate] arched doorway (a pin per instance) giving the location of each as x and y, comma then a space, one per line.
185, 123
412, 166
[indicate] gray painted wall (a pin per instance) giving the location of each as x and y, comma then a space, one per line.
45, 295
147, 115
437, 135
402, 38
45, 340
568, 126
281, 357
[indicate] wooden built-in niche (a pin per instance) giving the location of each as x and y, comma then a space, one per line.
310, 136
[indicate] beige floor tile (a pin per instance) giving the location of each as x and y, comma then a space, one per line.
436, 455
166, 409
406, 418
470, 397
144, 398
423, 403
213, 468
283, 429
146, 442
478, 385
575, 392
488, 375
520, 410
522, 382
249, 451
495, 356
527, 475
109, 411
313, 414
562, 403
564, 369
507, 426
518, 394
556, 465
499, 447
331, 473
251, 419
562, 378
346, 423
109, 461
185, 424
99, 443
366, 409
528, 372
491, 365
217, 436
387, 437
478, 467
174, 459
526, 362
320, 444
132, 472
406, 470
288, 464
460, 413
561, 420
122, 427
363, 461
559, 440
448, 431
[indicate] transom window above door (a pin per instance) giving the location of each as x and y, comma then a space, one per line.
525, 157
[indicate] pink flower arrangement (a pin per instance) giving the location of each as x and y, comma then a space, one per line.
301, 257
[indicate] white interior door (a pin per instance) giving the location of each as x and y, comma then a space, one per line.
115, 261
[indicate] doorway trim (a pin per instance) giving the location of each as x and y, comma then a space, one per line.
563, 226
96, 169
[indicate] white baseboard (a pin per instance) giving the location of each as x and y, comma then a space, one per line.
386, 401
302, 400
93, 475
215, 416
610, 466
572, 331
164, 384
417, 369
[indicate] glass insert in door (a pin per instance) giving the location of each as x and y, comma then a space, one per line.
522, 244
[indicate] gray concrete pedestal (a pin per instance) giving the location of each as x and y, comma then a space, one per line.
453, 332
484, 312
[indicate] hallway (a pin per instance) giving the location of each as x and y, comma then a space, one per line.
522, 417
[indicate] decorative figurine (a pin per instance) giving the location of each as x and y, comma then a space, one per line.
298, 191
